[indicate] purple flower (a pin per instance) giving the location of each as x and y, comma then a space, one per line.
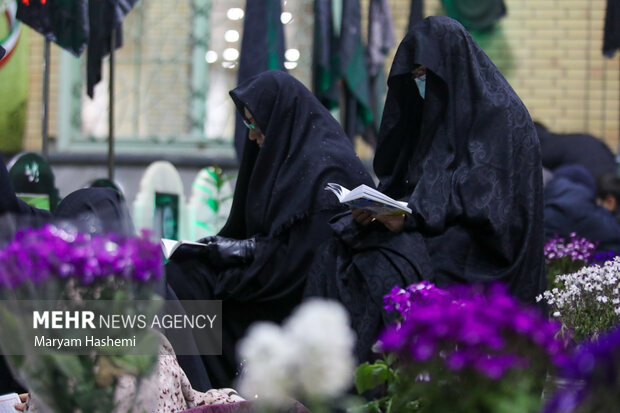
399, 299
593, 371
576, 248
35, 255
601, 257
481, 328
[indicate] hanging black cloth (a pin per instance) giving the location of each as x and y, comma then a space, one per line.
340, 75
416, 13
63, 22
353, 70
262, 49
323, 74
611, 33
280, 200
105, 18
75, 24
380, 42
467, 157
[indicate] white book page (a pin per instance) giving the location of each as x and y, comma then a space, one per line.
375, 195
7, 403
358, 192
340, 191
365, 197
168, 246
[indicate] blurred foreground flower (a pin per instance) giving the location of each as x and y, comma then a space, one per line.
593, 378
59, 265
309, 358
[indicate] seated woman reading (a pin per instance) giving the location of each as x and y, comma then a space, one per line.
459, 146
258, 262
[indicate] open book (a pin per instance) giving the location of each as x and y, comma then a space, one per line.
169, 246
364, 197
8, 401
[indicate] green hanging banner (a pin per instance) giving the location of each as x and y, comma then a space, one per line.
339, 62
13, 78
476, 15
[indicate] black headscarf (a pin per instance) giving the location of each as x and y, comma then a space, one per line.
304, 149
570, 207
468, 159
279, 199
102, 209
558, 149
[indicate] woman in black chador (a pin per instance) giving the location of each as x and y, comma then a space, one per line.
257, 265
458, 144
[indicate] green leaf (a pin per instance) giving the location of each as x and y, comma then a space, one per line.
368, 376
204, 188
69, 365
213, 204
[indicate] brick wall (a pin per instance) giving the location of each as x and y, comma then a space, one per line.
549, 50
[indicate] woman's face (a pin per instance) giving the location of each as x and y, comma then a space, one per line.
255, 133
419, 71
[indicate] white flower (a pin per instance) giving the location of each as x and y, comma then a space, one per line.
268, 354
578, 301
310, 357
325, 344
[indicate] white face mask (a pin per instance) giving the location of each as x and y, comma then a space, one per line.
421, 84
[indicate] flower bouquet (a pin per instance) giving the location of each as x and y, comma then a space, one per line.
465, 348
587, 301
55, 271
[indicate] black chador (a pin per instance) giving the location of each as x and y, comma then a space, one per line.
461, 149
257, 264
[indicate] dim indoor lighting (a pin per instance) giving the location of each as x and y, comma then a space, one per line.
286, 17
230, 54
235, 13
292, 55
231, 36
211, 56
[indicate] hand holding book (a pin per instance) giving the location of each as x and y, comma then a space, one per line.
368, 205
220, 251
369, 199
392, 222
